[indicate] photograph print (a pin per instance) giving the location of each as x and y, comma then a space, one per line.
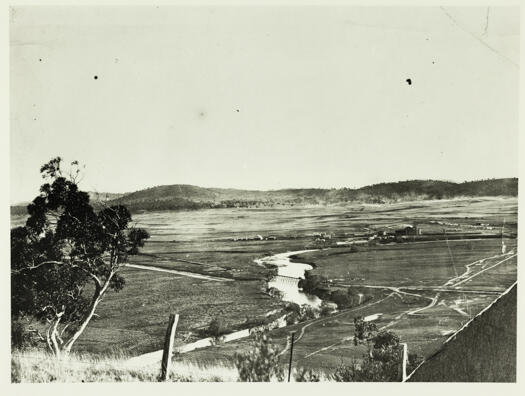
263, 193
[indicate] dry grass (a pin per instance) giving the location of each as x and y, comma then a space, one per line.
37, 366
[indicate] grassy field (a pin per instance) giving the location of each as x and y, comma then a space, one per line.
421, 263
135, 319
225, 243
36, 367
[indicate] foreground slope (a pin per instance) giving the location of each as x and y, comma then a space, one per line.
483, 351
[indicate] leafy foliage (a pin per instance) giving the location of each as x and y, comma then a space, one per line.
301, 313
65, 245
304, 375
382, 363
217, 328
261, 363
313, 283
364, 332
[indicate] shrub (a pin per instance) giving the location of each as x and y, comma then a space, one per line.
275, 293
346, 373
341, 298
308, 312
304, 375
20, 337
385, 339
261, 363
370, 370
327, 308
313, 283
383, 363
217, 327
301, 313
364, 332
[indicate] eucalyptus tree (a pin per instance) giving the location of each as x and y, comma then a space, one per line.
68, 256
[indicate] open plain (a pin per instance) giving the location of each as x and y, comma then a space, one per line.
206, 265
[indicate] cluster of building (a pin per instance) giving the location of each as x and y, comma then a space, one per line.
482, 226
388, 234
401, 231
255, 238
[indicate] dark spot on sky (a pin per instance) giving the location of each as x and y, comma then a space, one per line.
237, 110
426, 39
433, 62
96, 77
202, 114
409, 81
40, 59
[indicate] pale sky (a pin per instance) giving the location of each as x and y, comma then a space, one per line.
263, 98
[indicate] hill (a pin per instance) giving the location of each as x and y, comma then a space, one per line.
184, 197
188, 197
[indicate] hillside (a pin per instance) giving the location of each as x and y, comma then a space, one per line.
183, 197
188, 197
483, 351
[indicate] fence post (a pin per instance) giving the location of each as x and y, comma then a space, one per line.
168, 347
404, 363
291, 355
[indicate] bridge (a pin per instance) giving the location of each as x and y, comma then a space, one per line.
288, 280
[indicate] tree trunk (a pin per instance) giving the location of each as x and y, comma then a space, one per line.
52, 336
48, 339
97, 297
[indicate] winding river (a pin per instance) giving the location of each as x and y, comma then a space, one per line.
287, 278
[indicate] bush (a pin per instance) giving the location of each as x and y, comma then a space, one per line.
217, 328
301, 313
313, 283
370, 370
275, 293
341, 298
346, 373
385, 339
382, 364
261, 363
308, 312
327, 308
293, 312
293, 308
21, 338
305, 375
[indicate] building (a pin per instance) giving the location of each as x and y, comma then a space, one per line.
407, 230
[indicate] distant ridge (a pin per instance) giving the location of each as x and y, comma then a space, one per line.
184, 197
188, 197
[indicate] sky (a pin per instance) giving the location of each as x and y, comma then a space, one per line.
262, 97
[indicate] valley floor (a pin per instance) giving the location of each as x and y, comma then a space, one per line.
202, 265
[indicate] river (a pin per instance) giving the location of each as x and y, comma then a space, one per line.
287, 278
